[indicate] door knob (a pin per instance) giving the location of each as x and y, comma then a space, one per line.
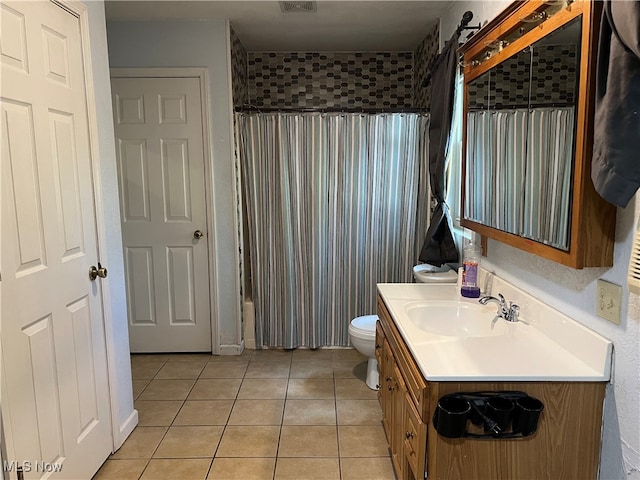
198, 234
97, 272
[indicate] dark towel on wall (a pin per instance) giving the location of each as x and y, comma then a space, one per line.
616, 141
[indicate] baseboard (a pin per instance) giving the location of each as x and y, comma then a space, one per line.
232, 349
125, 429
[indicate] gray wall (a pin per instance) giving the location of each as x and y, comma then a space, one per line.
573, 292
198, 44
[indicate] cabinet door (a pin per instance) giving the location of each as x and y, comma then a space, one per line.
386, 390
398, 394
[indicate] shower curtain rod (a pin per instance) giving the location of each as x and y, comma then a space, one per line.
254, 109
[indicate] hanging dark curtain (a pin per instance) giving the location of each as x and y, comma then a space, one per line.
439, 247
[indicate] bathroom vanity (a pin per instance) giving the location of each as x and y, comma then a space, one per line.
431, 342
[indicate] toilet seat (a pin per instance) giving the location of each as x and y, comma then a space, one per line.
364, 327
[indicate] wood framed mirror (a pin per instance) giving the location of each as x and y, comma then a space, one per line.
529, 78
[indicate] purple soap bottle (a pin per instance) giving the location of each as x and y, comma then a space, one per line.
470, 265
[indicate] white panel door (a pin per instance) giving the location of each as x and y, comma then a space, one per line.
55, 394
160, 150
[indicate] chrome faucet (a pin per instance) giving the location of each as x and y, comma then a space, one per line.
510, 314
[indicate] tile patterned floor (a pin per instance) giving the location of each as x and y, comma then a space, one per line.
263, 415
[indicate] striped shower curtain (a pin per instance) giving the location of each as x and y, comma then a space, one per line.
333, 206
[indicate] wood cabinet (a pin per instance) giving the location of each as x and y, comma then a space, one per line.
402, 393
500, 84
565, 446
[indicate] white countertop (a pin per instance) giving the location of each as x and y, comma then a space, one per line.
545, 345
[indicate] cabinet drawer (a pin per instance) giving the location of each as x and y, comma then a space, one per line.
415, 436
416, 386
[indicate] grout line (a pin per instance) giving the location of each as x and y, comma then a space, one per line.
234, 400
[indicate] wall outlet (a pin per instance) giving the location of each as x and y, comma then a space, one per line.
609, 297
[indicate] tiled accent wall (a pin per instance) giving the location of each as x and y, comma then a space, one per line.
422, 56
555, 69
238, 71
337, 79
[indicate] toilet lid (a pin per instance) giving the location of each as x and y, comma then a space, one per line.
365, 324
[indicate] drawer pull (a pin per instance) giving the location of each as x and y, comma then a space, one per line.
409, 435
387, 379
378, 346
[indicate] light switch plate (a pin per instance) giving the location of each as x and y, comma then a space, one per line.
608, 299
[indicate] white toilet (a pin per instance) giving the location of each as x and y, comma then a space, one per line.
362, 330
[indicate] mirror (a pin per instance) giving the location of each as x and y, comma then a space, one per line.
520, 125
526, 177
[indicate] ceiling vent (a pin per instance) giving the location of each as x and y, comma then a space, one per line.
298, 7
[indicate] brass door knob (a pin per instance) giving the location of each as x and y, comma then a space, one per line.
94, 272
198, 234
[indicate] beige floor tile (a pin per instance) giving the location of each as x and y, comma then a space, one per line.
263, 388
198, 358
224, 370
377, 468
308, 441
245, 356
274, 355
157, 413
306, 354
190, 442
141, 443
365, 441
310, 388
139, 358
359, 412
180, 370
167, 390
215, 389
309, 412
253, 441
267, 370
350, 370
307, 469
311, 370
354, 389
177, 469
121, 470
348, 355
242, 469
138, 387
204, 412
145, 371
257, 412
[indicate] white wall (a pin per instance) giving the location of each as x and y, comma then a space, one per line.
573, 292
125, 417
198, 44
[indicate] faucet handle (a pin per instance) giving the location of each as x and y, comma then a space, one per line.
514, 311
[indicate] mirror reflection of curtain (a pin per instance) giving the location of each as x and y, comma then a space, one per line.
548, 180
519, 172
331, 204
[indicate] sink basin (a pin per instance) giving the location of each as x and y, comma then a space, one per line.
455, 319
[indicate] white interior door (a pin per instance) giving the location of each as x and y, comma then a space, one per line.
55, 394
158, 128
